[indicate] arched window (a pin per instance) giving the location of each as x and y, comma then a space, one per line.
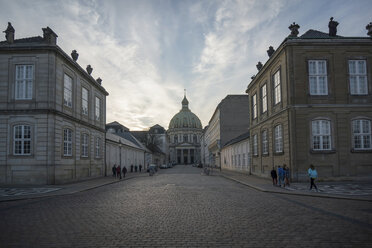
361, 134
321, 134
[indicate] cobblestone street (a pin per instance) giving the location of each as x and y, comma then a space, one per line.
179, 207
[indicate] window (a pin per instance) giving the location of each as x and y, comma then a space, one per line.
23, 84
176, 138
321, 132
84, 101
67, 93
264, 98
362, 134
84, 145
22, 140
67, 142
98, 108
318, 77
98, 147
358, 77
254, 106
277, 90
265, 144
243, 159
278, 139
255, 150
185, 138
195, 138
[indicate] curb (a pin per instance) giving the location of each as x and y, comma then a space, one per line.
294, 193
30, 197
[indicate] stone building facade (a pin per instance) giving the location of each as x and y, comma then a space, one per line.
311, 103
229, 120
235, 154
184, 134
52, 114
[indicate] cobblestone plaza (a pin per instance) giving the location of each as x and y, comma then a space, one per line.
179, 207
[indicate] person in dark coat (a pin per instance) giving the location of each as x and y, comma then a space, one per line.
124, 171
135, 168
114, 170
140, 168
274, 176
131, 168
118, 171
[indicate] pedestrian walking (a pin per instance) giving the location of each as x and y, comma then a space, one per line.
114, 170
140, 168
281, 176
124, 171
135, 168
118, 171
286, 175
131, 168
274, 176
313, 174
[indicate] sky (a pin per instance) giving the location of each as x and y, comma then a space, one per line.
148, 51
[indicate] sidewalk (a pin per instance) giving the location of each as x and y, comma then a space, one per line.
23, 192
350, 190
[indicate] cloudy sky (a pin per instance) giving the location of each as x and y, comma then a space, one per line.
148, 51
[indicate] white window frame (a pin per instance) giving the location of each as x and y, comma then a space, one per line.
316, 75
98, 147
24, 80
361, 129
84, 145
98, 108
321, 135
67, 91
23, 140
84, 101
265, 143
254, 106
264, 98
67, 142
255, 145
277, 88
358, 75
278, 137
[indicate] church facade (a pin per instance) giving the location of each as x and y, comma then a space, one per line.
184, 132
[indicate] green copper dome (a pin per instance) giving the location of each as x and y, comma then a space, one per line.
185, 118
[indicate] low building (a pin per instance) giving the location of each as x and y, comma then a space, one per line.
52, 113
229, 120
235, 154
311, 103
123, 149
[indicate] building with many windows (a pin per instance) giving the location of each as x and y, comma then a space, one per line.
184, 134
229, 120
52, 113
235, 154
311, 103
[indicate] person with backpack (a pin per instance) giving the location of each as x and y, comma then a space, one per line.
313, 174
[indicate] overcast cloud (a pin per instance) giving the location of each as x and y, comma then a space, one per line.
147, 52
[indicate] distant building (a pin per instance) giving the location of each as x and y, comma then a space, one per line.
123, 149
229, 120
311, 103
52, 113
184, 133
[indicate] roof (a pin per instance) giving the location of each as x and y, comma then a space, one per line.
237, 139
185, 118
116, 124
35, 39
154, 148
315, 34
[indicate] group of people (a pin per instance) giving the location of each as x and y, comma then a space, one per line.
117, 171
284, 176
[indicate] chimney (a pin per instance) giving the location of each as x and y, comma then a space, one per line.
9, 33
49, 36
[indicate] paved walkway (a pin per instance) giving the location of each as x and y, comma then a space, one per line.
11, 193
355, 190
341, 190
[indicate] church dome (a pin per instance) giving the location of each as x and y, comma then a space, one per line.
185, 118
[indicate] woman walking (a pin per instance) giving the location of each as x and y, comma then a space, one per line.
313, 175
